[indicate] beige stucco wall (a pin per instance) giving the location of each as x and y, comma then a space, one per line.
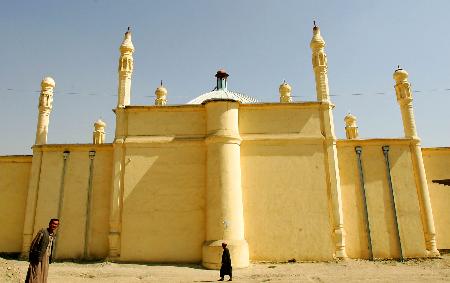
437, 164
286, 211
380, 213
76, 182
163, 202
164, 184
14, 177
287, 205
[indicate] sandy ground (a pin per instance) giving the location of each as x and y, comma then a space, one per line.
429, 270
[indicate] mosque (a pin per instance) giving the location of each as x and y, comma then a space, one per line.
270, 179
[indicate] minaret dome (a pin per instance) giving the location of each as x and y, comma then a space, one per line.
317, 41
48, 82
400, 75
127, 44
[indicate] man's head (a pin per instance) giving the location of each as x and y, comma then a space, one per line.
224, 245
53, 225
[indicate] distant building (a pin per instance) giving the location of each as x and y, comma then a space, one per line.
270, 179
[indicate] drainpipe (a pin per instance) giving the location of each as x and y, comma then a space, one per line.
392, 197
358, 151
87, 226
66, 154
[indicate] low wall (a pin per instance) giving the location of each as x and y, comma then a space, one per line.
14, 177
66, 187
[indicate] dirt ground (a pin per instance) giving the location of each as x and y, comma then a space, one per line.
418, 270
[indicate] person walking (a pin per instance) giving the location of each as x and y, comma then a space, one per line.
41, 251
226, 268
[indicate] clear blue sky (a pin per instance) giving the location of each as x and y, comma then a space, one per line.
184, 43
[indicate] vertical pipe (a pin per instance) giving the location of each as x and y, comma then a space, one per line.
61, 197
358, 151
392, 197
87, 226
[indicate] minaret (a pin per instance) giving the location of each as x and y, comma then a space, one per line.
404, 99
319, 62
285, 93
351, 129
45, 107
161, 95
99, 132
125, 70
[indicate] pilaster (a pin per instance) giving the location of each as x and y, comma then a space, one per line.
224, 206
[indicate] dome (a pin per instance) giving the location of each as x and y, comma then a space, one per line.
127, 44
400, 75
48, 82
285, 88
100, 123
317, 41
160, 91
349, 119
223, 94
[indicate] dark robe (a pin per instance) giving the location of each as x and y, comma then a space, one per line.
40, 257
226, 268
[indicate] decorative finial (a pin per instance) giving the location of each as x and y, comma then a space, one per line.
398, 67
128, 29
161, 83
314, 22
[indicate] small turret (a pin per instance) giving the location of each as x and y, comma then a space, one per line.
351, 129
161, 95
221, 79
99, 132
285, 93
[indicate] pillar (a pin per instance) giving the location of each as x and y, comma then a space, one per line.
224, 206
404, 99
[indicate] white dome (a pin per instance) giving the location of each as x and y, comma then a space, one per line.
223, 94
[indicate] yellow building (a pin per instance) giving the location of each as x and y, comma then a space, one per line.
270, 179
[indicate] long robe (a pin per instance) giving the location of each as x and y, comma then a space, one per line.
226, 268
38, 270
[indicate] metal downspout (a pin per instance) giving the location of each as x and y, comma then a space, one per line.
392, 197
61, 197
87, 226
358, 151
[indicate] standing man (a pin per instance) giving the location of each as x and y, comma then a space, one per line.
41, 251
226, 268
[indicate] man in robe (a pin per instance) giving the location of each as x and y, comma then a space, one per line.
226, 268
41, 252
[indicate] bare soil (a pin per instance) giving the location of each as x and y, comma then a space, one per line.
414, 270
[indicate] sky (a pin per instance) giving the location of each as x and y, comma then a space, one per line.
259, 42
